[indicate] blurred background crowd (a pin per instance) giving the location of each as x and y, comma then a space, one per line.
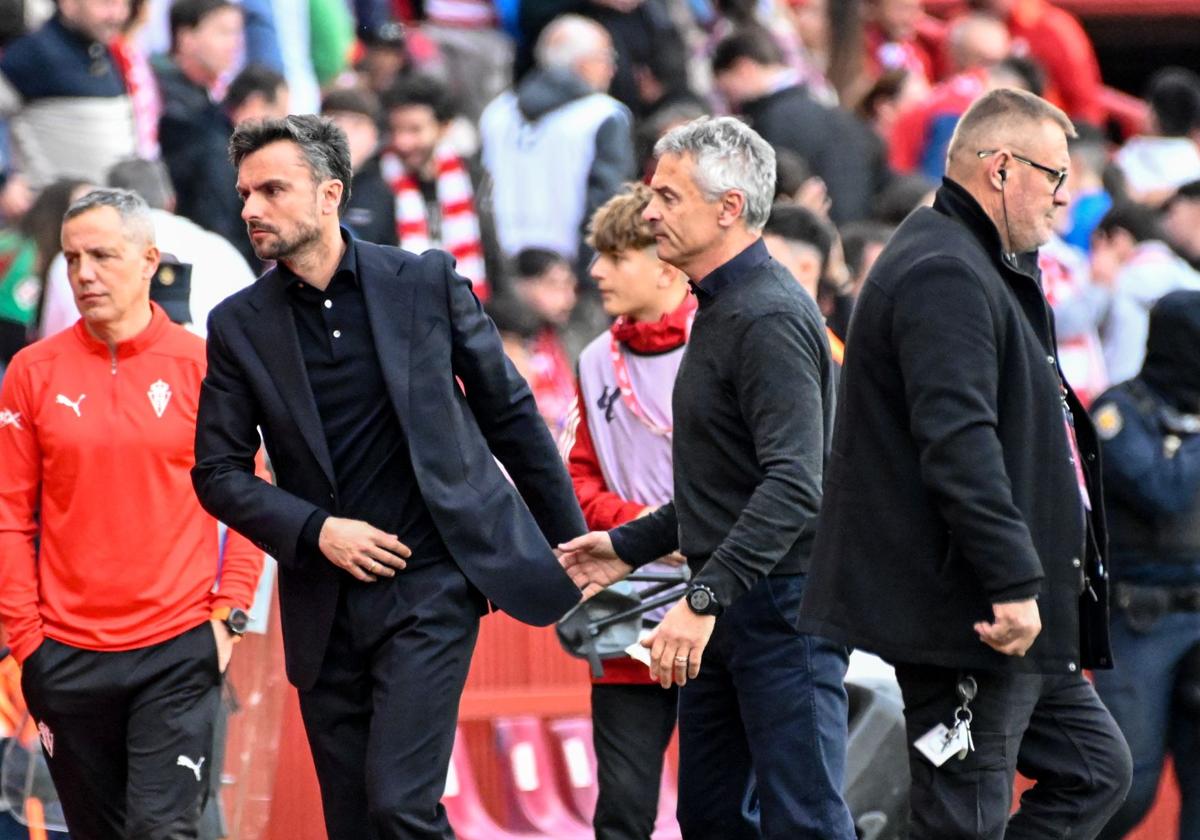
494, 129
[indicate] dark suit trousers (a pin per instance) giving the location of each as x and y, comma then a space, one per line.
381, 717
1054, 729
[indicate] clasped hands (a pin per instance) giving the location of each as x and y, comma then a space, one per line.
676, 645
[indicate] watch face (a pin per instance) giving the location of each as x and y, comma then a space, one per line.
699, 600
238, 621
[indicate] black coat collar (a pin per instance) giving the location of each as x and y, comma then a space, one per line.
953, 200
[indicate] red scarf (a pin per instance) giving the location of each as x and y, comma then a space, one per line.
460, 234
667, 333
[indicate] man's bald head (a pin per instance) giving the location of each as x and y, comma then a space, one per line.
577, 45
978, 40
1001, 117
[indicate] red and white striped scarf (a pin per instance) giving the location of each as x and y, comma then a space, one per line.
134, 67
460, 222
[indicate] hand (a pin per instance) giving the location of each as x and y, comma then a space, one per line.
225, 643
362, 549
814, 196
673, 559
1016, 624
677, 645
591, 562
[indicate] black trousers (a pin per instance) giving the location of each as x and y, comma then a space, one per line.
381, 717
128, 735
1053, 729
631, 727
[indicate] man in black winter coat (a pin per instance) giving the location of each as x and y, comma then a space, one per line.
962, 532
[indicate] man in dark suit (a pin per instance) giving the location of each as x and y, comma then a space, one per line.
382, 393
962, 532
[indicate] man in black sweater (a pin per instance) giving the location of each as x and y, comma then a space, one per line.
763, 724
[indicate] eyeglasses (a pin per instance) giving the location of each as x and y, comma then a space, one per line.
1057, 177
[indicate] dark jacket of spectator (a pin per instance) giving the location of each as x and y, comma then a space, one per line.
371, 211
194, 132
70, 113
952, 485
651, 54
840, 148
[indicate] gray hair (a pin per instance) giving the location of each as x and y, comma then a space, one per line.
136, 221
728, 155
567, 40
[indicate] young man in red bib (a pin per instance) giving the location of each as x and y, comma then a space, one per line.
618, 444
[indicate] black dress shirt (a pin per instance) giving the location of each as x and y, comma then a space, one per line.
753, 406
368, 447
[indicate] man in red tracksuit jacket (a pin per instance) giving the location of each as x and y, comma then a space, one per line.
124, 616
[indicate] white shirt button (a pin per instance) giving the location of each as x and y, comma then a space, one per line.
337, 333
329, 304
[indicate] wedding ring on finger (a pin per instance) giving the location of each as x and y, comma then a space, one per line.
681, 660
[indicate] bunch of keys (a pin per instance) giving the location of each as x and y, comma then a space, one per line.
941, 743
967, 688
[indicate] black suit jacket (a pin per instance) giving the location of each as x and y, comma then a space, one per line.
951, 485
429, 329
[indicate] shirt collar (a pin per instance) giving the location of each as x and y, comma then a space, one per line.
347, 268
711, 284
159, 322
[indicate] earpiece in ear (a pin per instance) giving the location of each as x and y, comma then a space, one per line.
1003, 175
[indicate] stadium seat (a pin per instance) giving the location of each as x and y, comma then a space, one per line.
530, 780
464, 806
573, 737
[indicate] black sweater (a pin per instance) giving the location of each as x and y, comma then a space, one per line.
753, 407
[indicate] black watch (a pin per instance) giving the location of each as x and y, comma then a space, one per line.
237, 621
702, 600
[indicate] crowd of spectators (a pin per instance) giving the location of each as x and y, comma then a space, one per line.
495, 129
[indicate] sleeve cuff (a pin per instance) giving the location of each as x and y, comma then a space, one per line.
628, 547
310, 535
647, 538
1018, 592
726, 586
